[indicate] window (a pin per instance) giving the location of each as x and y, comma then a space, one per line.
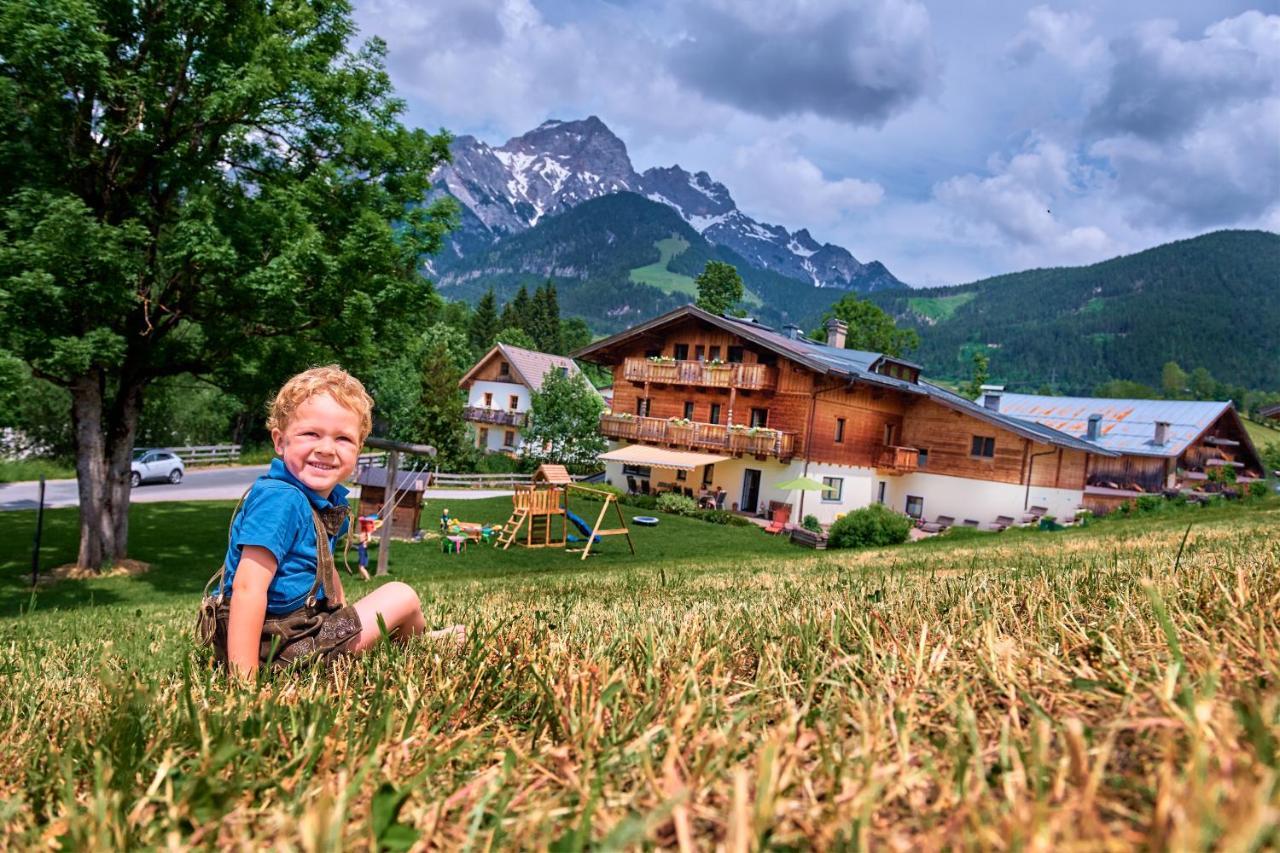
833, 489
713, 354
767, 358
735, 355
708, 472
688, 410
484, 437
653, 353
880, 492
888, 434
564, 371
504, 369
699, 353
682, 475
488, 399
509, 438
513, 402
915, 506
682, 352
637, 471
983, 446
715, 414
922, 458
759, 417
839, 430
642, 406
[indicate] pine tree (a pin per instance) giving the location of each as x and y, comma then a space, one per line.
484, 323
554, 340
442, 424
516, 313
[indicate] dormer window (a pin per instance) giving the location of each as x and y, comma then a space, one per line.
504, 369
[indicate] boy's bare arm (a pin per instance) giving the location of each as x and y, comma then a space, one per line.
248, 608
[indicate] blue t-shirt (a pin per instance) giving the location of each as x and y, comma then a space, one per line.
277, 516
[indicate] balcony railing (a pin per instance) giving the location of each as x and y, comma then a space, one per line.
739, 440
500, 417
903, 460
744, 377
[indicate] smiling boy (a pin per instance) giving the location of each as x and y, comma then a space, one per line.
286, 600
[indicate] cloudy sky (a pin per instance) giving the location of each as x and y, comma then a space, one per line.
949, 140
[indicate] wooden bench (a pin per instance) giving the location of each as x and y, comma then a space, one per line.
809, 539
1002, 522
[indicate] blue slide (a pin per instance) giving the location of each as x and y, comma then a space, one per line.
581, 525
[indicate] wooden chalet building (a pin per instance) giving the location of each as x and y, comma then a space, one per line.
702, 402
1159, 445
499, 390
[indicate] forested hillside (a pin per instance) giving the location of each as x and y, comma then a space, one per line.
590, 252
1211, 302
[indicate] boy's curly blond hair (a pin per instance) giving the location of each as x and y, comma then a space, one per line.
330, 379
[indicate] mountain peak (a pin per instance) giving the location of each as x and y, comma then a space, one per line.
560, 164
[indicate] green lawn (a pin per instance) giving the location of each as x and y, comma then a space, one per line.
1262, 436
1114, 686
657, 275
939, 308
184, 542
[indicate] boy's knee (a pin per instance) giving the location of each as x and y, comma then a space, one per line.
405, 592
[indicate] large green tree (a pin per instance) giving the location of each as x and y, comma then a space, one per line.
719, 287
220, 188
484, 324
870, 328
564, 419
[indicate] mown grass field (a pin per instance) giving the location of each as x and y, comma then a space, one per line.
1093, 688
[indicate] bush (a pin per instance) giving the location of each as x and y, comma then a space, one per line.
620, 494
1258, 489
811, 524
867, 527
677, 504
722, 516
645, 502
1150, 503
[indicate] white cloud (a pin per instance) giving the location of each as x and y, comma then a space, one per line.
772, 180
1065, 36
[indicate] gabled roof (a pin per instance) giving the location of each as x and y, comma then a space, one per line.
1128, 426
529, 367
1271, 411
411, 481
852, 365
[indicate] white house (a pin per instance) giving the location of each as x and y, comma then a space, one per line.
499, 390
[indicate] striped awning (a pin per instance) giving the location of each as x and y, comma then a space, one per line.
661, 457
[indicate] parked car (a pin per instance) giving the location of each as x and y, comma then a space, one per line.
156, 465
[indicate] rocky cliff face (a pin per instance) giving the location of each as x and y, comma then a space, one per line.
561, 164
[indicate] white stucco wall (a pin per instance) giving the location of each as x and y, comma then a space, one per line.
501, 392
981, 500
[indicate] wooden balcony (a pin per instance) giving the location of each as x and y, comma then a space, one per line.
744, 377
900, 460
498, 417
699, 436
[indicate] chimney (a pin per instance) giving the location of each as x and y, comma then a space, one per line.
1162, 432
792, 331
1095, 422
991, 396
836, 330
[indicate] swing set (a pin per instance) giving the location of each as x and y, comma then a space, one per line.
536, 505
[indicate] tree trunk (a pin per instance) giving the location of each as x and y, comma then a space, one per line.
104, 448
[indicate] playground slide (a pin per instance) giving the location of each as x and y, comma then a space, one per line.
580, 524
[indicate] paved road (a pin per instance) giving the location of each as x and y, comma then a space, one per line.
208, 484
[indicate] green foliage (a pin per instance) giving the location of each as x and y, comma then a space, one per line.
439, 415
1209, 300
719, 287
871, 526
870, 328
564, 417
1173, 381
978, 377
183, 410
1127, 389
811, 524
574, 334
677, 504
516, 337
1258, 489
484, 324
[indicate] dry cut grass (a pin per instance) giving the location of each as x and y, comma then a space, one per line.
1035, 692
